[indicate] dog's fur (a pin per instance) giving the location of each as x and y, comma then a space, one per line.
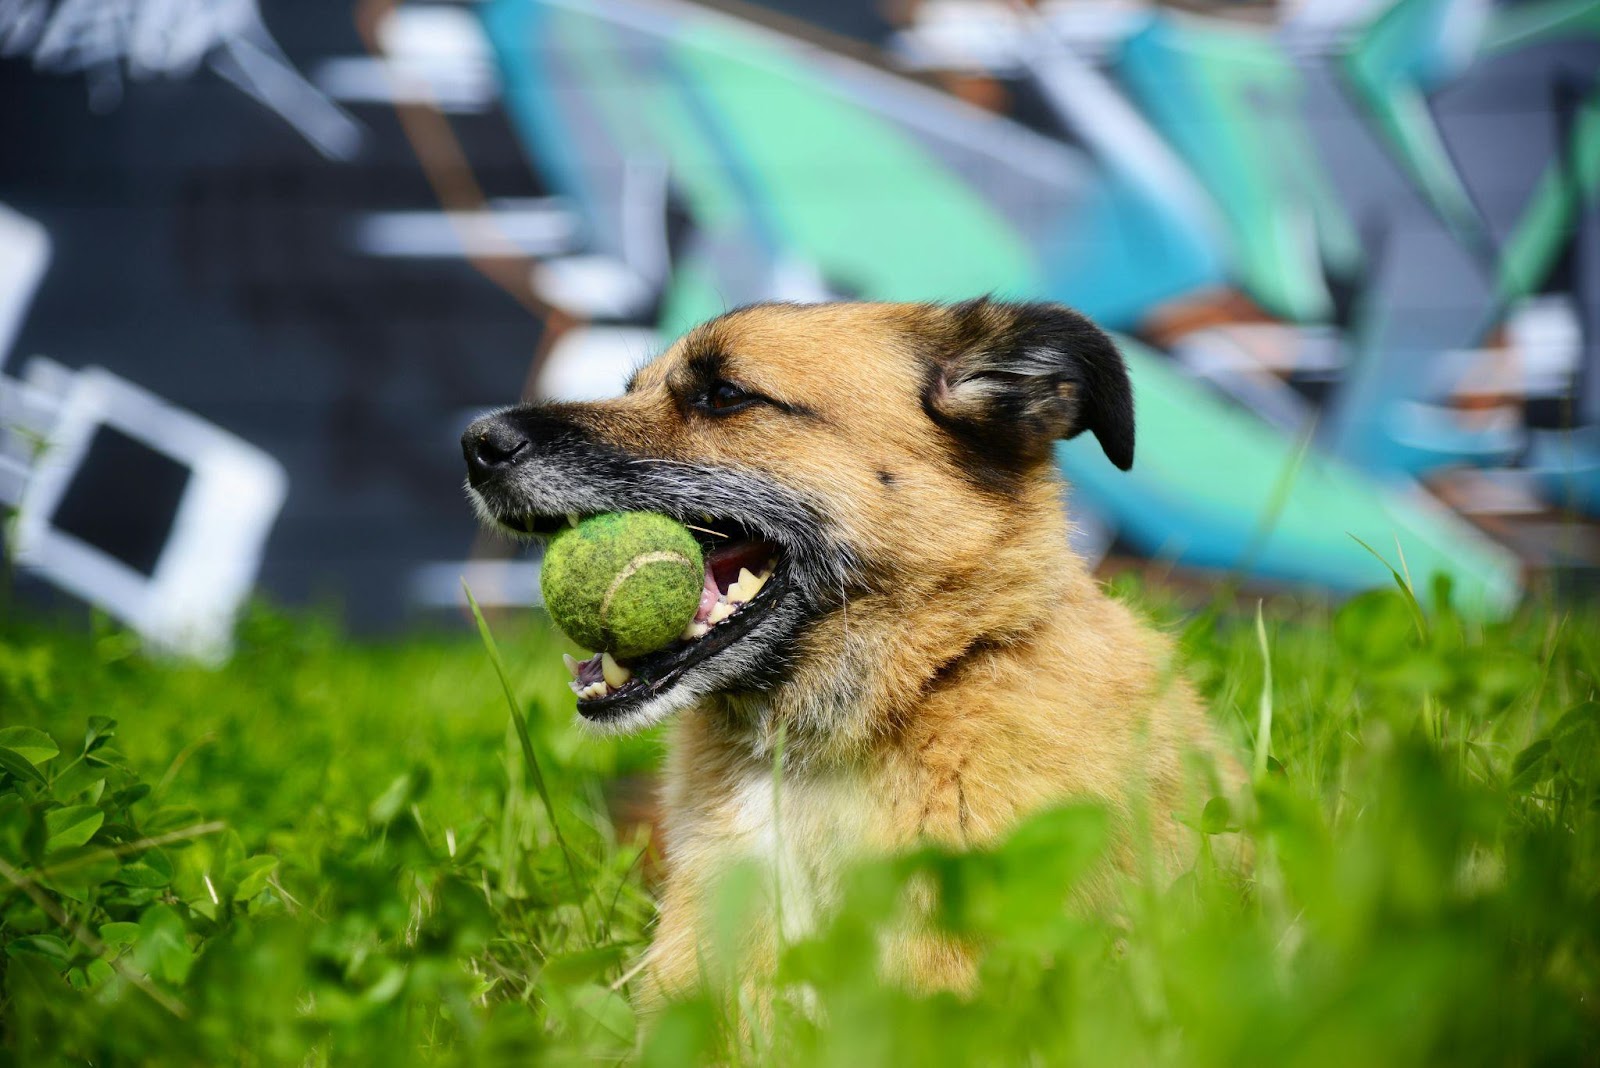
940, 663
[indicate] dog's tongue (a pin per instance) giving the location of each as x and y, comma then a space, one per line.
708, 598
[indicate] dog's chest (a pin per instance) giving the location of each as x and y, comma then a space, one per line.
801, 832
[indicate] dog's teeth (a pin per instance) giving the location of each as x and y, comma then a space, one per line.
572, 519
692, 630
744, 588
597, 688
616, 675
572, 664
753, 584
722, 611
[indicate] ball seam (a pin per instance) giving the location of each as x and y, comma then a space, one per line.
635, 565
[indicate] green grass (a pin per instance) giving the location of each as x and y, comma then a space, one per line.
335, 852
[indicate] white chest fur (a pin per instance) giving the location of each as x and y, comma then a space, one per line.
799, 833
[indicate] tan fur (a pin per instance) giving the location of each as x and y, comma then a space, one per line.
982, 676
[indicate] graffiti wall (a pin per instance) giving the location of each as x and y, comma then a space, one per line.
258, 265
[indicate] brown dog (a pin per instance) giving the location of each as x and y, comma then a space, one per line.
936, 659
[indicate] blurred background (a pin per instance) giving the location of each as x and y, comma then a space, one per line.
262, 260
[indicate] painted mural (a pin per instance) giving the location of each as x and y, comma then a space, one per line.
1351, 248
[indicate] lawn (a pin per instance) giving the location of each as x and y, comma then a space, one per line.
335, 851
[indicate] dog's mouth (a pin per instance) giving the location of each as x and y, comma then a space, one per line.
745, 578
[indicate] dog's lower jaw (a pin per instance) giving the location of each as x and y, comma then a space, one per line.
656, 710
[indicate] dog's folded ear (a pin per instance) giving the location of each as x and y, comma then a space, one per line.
1011, 378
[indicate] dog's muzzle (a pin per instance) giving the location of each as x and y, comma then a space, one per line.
535, 468
492, 445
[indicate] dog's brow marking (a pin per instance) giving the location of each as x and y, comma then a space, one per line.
705, 362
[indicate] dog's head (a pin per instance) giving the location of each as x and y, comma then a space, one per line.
889, 464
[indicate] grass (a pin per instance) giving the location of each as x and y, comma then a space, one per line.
335, 852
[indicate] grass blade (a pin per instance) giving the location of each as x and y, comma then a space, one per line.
1418, 616
1264, 722
528, 758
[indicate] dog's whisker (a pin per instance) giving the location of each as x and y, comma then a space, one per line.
844, 608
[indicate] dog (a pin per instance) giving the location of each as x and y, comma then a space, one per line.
894, 600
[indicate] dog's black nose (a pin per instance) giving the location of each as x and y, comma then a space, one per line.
490, 444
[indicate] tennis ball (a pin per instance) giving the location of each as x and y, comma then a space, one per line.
625, 583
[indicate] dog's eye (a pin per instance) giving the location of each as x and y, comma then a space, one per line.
725, 397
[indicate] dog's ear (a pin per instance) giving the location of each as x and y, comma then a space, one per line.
1015, 377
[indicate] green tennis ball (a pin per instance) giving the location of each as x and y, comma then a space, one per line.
625, 583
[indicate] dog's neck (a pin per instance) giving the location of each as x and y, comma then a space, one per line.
865, 668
